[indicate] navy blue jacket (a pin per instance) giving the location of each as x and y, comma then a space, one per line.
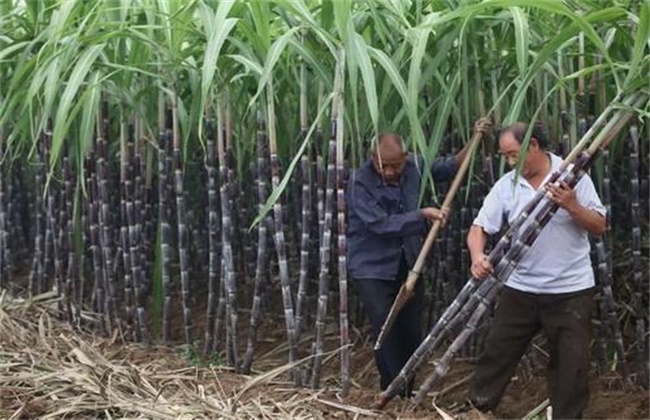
383, 220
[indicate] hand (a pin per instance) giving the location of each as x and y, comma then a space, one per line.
481, 267
432, 214
483, 125
562, 195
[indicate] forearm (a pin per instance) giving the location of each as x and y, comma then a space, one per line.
398, 225
460, 156
476, 241
587, 219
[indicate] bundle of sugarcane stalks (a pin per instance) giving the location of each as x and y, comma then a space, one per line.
475, 298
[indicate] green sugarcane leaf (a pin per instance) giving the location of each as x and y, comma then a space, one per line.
89, 115
641, 44
212, 50
550, 48
522, 40
315, 64
64, 117
342, 10
271, 60
321, 31
392, 72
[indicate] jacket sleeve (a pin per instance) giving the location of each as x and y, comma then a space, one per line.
376, 219
443, 169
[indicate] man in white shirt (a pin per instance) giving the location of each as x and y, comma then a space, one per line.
552, 287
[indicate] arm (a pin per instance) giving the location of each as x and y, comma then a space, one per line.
482, 125
476, 240
377, 219
487, 222
458, 157
588, 219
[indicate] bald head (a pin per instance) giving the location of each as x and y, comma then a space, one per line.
387, 140
388, 157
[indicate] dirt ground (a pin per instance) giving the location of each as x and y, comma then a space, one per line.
611, 397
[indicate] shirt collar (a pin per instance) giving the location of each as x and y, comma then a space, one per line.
556, 161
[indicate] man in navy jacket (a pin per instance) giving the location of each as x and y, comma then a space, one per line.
385, 233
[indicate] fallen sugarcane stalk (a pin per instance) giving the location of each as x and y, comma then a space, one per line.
406, 291
505, 257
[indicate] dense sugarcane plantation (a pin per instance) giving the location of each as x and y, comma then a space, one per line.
173, 208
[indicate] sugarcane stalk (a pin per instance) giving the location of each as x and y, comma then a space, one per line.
164, 141
213, 243
93, 211
325, 258
325, 254
226, 238
61, 254
437, 272
71, 273
221, 303
303, 279
261, 269
443, 365
140, 249
280, 245
135, 238
4, 253
49, 244
637, 271
306, 208
19, 210
605, 268
36, 276
52, 238
105, 235
129, 280
406, 291
149, 222
599, 256
342, 244
564, 115
182, 227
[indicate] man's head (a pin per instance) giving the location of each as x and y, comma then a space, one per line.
510, 142
388, 156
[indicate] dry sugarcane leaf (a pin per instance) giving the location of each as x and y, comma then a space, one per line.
443, 413
349, 408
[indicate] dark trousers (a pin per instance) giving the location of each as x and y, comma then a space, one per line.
405, 335
565, 320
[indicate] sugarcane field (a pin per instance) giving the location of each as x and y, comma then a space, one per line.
315, 209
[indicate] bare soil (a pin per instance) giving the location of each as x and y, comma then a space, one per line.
611, 397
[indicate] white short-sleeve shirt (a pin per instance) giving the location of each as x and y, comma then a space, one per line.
558, 261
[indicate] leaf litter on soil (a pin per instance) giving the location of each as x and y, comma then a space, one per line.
48, 369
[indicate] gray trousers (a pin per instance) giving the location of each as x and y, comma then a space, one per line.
565, 320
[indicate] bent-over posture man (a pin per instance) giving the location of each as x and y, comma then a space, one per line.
385, 234
551, 289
